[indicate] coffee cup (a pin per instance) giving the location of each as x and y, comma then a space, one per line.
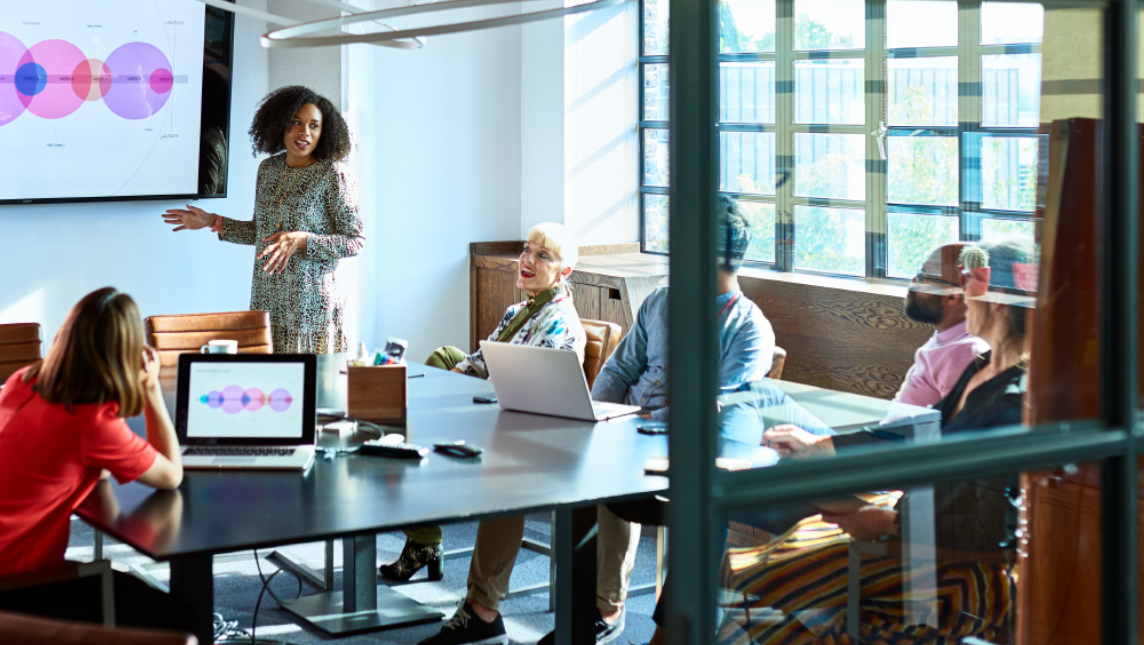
220, 347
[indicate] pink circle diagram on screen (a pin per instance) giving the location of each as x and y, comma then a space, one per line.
142, 80
233, 399
11, 51
53, 78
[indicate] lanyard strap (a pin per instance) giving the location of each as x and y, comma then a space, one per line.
730, 302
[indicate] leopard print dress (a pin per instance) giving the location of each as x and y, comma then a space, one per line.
307, 309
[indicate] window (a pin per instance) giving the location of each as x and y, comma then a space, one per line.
856, 136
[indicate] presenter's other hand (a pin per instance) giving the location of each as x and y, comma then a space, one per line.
792, 441
191, 219
281, 248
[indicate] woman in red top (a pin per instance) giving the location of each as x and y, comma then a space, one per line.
62, 427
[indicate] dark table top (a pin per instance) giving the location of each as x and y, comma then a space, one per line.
530, 463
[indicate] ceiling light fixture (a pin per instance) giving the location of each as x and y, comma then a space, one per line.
299, 35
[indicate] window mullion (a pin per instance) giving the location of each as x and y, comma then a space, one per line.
968, 112
784, 136
876, 230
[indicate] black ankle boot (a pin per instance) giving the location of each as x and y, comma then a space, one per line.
414, 556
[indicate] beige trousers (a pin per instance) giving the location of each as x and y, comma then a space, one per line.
494, 554
498, 544
616, 547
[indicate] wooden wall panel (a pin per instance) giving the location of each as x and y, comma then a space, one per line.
587, 300
496, 290
612, 308
850, 341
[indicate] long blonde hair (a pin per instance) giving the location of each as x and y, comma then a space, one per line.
97, 355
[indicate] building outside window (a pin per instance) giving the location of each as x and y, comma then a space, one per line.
856, 136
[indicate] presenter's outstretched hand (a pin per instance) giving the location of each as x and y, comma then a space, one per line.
281, 248
191, 219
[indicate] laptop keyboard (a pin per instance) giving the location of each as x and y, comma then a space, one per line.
237, 451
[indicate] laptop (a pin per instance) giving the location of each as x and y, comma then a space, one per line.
248, 411
545, 381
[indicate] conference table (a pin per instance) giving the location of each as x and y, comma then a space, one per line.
531, 463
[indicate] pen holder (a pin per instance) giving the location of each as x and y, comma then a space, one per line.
377, 394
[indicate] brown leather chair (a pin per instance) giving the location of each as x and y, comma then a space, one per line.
777, 363
21, 629
19, 346
182, 333
603, 337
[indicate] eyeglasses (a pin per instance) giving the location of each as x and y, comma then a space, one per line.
921, 277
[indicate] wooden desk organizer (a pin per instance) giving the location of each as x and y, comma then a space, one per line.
377, 393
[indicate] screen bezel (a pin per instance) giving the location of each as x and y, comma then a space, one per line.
309, 399
217, 60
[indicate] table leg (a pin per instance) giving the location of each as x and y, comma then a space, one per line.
192, 581
575, 575
362, 605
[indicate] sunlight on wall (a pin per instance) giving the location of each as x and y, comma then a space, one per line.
30, 308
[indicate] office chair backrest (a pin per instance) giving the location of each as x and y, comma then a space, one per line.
603, 337
19, 346
23, 628
182, 333
777, 363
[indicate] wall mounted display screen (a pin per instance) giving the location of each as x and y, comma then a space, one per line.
113, 100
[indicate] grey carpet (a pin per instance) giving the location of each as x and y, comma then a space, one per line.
237, 586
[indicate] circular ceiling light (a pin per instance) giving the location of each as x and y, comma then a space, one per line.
298, 35
275, 19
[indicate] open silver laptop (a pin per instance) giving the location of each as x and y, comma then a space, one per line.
545, 381
250, 411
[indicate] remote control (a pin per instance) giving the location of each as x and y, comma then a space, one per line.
393, 450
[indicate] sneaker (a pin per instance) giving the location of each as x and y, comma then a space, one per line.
605, 632
466, 628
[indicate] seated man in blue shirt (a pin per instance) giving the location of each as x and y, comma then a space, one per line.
637, 373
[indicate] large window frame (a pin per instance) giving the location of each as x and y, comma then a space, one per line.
701, 494
970, 133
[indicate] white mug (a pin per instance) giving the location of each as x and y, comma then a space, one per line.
220, 347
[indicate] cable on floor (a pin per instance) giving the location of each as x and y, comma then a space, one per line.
225, 630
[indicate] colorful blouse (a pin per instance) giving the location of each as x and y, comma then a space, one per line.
556, 325
307, 308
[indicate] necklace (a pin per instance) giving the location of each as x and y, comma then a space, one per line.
282, 194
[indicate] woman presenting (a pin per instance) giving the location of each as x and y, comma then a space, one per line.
305, 220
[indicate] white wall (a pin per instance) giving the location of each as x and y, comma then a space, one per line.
447, 172
541, 120
601, 145
52, 255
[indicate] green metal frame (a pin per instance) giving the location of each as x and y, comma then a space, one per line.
700, 494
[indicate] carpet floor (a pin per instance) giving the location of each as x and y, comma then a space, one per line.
237, 586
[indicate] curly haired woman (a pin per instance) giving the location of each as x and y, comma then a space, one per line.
305, 220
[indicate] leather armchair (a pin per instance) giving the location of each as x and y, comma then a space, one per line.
777, 363
603, 337
22, 629
19, 346
182, 333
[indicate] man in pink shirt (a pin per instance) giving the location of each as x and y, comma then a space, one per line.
935, 298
